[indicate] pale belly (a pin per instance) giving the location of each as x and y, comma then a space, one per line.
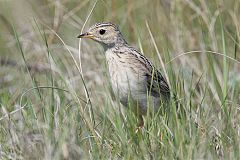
130, 84
124, 81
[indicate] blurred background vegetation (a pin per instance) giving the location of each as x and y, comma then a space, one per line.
56, 100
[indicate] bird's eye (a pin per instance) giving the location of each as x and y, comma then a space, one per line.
102, 31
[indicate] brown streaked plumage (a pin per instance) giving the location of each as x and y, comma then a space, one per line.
132, 75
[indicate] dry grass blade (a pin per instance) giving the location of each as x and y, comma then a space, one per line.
159, 56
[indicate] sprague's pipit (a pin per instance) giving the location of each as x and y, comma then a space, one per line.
134, 79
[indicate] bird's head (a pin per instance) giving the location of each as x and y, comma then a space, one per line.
107, 34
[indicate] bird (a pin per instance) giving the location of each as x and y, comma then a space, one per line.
134, 79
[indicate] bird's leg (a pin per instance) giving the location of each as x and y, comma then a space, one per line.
140, 121
140, 124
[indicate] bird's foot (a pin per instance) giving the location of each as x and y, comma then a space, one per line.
140, 125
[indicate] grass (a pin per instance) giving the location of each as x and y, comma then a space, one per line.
55, 96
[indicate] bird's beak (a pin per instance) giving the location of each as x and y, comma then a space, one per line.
86, 35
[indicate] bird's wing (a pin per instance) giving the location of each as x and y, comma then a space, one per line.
157, 85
